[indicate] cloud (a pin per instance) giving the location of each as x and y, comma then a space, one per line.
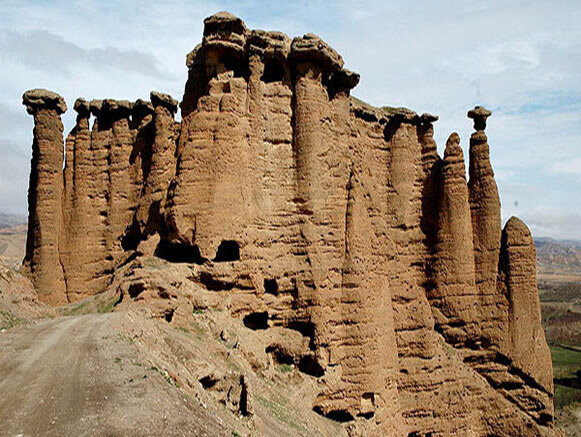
52, 54
553, 222
570, 167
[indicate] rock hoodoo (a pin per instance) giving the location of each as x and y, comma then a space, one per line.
307, 210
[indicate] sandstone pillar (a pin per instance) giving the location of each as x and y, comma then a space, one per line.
486, 227
98, 189
121, 203
162, 165
527, 345
455, 308
430, 164
42, 261
76, 208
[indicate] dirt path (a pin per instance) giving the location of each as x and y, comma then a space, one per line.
79, 376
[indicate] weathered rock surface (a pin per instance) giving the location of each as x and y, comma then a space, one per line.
42, 262
379, 270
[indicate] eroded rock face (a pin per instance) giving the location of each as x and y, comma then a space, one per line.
304, 211
42, 263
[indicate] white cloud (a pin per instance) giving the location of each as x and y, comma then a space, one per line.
570, 167
52, 54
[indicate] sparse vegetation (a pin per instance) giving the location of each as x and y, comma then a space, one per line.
79, 309
183, 329
126, 338
107, 305
8, 320
154, 263
284, 368
567, 374
280, 410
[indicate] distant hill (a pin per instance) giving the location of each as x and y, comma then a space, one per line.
10, 220
558, 256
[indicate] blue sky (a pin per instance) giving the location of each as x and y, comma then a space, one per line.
521, 59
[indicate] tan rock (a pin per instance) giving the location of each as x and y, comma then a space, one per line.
42, 263
328, 230
528, 346
486, 227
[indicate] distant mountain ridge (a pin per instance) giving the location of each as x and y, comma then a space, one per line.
558, 255
10, 220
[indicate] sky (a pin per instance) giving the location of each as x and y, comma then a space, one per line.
521, 59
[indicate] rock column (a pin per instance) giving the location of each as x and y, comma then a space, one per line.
42, 261
486, 227
76, 207
526, 344
152, 202
455, 309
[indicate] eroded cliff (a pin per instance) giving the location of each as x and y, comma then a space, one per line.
306, 211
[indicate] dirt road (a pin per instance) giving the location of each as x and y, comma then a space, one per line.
79, 376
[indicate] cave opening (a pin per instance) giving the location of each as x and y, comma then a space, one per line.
309, 365
256, 321
271, 286
179, 253
228, 251
273, 71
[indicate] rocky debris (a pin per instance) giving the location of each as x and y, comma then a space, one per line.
332, 231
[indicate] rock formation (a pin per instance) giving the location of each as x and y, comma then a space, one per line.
42, 263
306, 210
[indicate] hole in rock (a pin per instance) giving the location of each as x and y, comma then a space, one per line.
179, 253
545, 419
168, 315
341, 416
130, 240
256, 321
367, 405
208, 382
228, 250
214, 284
271, 286
238, 67
135, 290
280, 356
306, 328
309, 365
273, 71
226, 87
